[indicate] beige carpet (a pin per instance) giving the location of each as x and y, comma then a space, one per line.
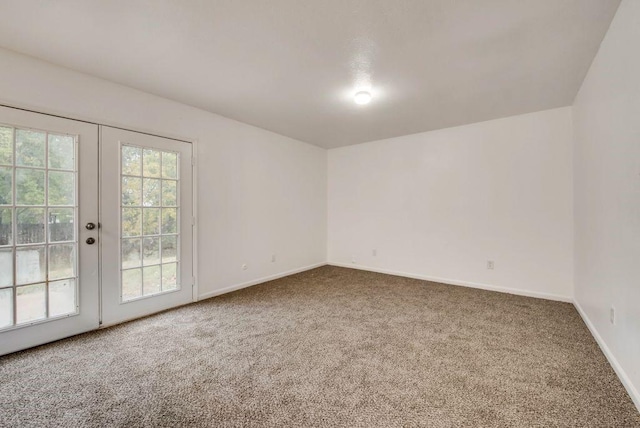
329, 347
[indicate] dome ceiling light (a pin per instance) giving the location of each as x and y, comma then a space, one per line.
362, 97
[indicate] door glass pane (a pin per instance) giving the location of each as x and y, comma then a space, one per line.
6, 189
151, 163
151, 277
29, 186
6, 145
30, 148
151, 251
32, 303
169, 165
62, 297
169, 193
6, 267
62, 152
157, 250
37, 232
131, 191
62, 188
151, 221
30, 225
169, 248
131, 284
169, 276
30, 265
6, 307
6, 226
169, 220
131, 222
151, 192
61, 224
131, 253
131, 160
62, 261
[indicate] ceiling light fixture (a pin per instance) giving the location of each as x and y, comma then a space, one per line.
362, 97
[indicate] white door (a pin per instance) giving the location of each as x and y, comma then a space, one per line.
147, 224
48, 257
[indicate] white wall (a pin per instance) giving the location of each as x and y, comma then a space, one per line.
607, 194
441, 204
259, 192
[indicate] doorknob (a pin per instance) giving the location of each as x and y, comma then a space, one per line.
90, 226
91, 241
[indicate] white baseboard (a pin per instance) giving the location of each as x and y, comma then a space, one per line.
235, 287
622, 375
448, 281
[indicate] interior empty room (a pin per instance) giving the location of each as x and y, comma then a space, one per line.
353, 213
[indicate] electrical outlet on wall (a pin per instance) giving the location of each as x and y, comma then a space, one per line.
273, 258
490, 264
612, 315
244, 266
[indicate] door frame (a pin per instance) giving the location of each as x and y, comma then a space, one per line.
194, 162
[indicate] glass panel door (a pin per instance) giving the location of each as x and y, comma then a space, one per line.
45, 294
147, 224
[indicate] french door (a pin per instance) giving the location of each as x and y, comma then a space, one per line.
48, 259
96, 227
147, 224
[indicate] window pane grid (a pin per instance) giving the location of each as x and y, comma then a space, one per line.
39, 282
129, 206
149, 265
149, 236
149, 222
28, 174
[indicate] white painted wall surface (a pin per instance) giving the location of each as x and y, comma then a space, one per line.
441, 204
259, 192
606, 116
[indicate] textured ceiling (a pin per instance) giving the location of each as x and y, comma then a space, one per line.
292, 66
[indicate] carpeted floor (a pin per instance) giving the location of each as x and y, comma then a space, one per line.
328, 347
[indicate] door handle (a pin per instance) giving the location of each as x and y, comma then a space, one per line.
90, 241
90, 226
